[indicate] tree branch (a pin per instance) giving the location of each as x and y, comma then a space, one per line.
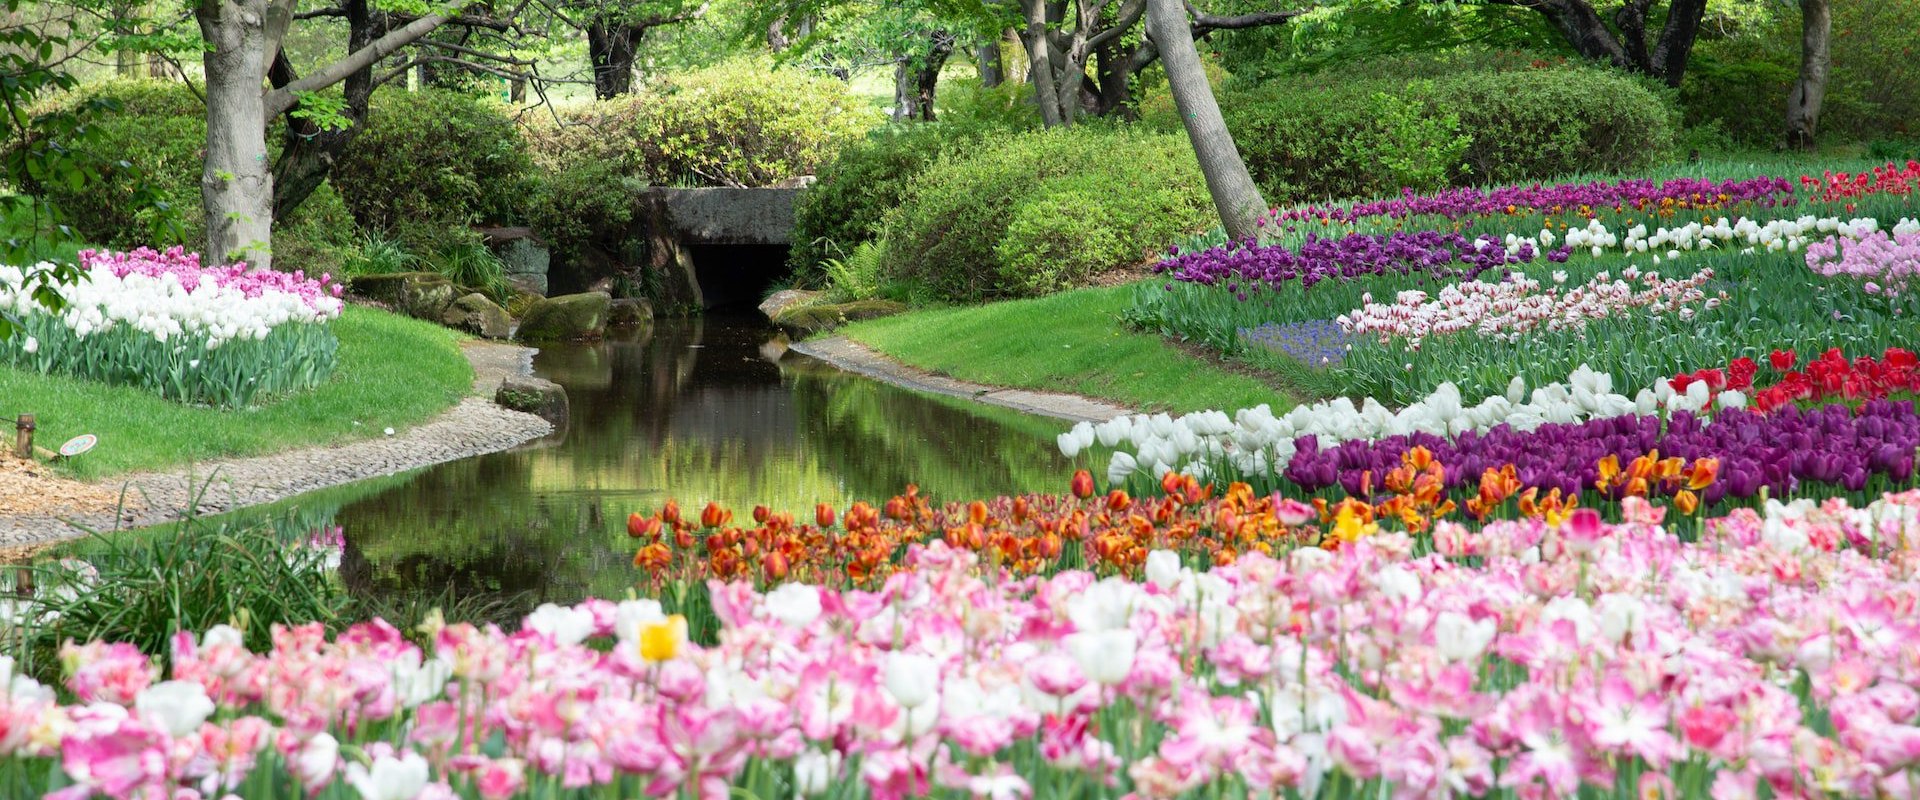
332, 11
279, 100
468, 51
1204, 23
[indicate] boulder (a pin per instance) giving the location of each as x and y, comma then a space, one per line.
524, 257
629, 312
567, 317
807, 320
541, 398
475, 314
421, 295
788, 298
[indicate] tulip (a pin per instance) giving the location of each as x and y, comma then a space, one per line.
911, 678
670, 513
314, 761
795, 604
714, 516
402, 778
178, 707
823, 515
639, 526
775, 566
1583, 531
1105, 657
663, 640
761, 514
1082, 484
814, 772
501, 779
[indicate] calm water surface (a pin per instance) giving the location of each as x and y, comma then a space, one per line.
706, 409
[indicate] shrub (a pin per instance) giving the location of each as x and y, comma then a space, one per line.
317, 237
963, 102
430, 164
1325, 135
581, 202
858, 187
736, 124
1031, 213
155, 139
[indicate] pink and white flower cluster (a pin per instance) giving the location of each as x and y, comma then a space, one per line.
1885, 263
1780, 649
1511, 308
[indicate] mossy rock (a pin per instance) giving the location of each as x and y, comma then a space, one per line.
629, 312
810, 319
569, 317
542, 398
421, 295
475, 314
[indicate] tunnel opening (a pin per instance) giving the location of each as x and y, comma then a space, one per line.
736, 276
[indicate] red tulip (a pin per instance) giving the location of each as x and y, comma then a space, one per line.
1082, 484
713, 516
760, 514
823, 515
1782, 360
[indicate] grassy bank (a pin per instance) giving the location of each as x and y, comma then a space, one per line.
393, 372
1069, 342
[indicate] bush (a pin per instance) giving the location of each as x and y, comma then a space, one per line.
858, 187
155, 140
317, 237
582, 202
1032, 213
737, 124
1326, 136
430, 164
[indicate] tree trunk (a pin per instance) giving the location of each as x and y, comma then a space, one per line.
307, 151
611, 49
1040, 68
236, 189
992, 70
1234, 193
905, 99
1810, 91
1113, 75
926, 80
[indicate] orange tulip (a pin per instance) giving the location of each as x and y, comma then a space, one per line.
1170, 483
823, 515
1686, 501
977, 512
760, 514
1703, 474
637, 525
775, 565
1118, 500
1609, 472
714, 516
670, 513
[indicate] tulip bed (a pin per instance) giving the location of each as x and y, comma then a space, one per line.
223, 336
1769, 654
1638, 280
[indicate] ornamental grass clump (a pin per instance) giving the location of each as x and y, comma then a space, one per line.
223, 336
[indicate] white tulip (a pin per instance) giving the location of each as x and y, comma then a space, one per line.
177, 707
565, 626
795, 604
1458, 637
402, 778
1105, 657
911, 678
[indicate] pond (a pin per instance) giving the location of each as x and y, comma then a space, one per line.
711, 408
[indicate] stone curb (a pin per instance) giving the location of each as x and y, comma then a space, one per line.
852, 356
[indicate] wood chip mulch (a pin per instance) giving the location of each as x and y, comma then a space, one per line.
29, 487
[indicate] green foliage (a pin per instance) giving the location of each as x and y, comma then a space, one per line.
467, 262
1033, 213
186, 577
858, 187
855, 277
430, 164
736, 124
1537, 123
1869, 94
149, 156
584, 201
378, 255
1333, 136
963, 102
319, 236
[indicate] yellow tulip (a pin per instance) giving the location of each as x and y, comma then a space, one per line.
663, 640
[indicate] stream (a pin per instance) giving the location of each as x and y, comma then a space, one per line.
711, 408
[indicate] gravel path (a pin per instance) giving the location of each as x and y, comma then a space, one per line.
473, 427
855, 357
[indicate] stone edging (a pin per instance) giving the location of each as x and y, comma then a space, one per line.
473, 427
852, 356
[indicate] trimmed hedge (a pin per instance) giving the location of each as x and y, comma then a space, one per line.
1032, 213
1327, 136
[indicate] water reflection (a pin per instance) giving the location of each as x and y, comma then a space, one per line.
701, 410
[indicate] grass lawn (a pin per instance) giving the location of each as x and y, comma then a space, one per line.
393, 372
1068, 342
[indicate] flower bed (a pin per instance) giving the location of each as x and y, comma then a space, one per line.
222, 335
1542, 659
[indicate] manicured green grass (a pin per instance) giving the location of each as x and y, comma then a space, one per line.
393, 372
1069, 342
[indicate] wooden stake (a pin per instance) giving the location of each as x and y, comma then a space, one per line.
23, 437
